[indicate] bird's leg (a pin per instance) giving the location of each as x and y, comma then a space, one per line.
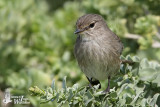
108, 87
92, 83
127, 61
88, 87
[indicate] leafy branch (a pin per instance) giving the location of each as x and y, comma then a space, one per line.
137, 85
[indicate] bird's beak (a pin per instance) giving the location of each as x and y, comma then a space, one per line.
78, 31
81, 30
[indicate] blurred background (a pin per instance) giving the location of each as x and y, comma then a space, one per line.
37, 39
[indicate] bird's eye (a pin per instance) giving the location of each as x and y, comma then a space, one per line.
91, 25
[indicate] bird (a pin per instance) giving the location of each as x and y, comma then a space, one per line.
97, 49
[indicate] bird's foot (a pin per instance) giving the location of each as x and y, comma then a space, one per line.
107, 90
127, 62
88, 87
108, 87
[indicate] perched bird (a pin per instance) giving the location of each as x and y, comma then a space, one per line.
97, 49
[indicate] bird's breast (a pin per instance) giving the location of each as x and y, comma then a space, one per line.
95, 59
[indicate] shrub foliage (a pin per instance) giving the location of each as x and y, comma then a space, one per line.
137, 86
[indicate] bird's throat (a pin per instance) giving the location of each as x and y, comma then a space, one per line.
85, 38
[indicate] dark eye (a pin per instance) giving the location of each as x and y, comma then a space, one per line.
91, 25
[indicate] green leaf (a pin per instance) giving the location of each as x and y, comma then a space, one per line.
128, 57
70, 95
147, 74
154, 99
144, 63
122, 88
88, 98
139, 91
157, 80
136, 59
53, 85
36, 91
64, 83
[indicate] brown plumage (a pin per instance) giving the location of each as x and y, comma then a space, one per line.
97, 49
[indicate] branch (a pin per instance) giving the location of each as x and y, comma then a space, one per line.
155, 43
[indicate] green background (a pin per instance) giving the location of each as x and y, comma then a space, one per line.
37, 39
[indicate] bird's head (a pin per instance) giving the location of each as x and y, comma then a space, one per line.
90, 25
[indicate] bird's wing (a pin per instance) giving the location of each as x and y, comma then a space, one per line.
117, 44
